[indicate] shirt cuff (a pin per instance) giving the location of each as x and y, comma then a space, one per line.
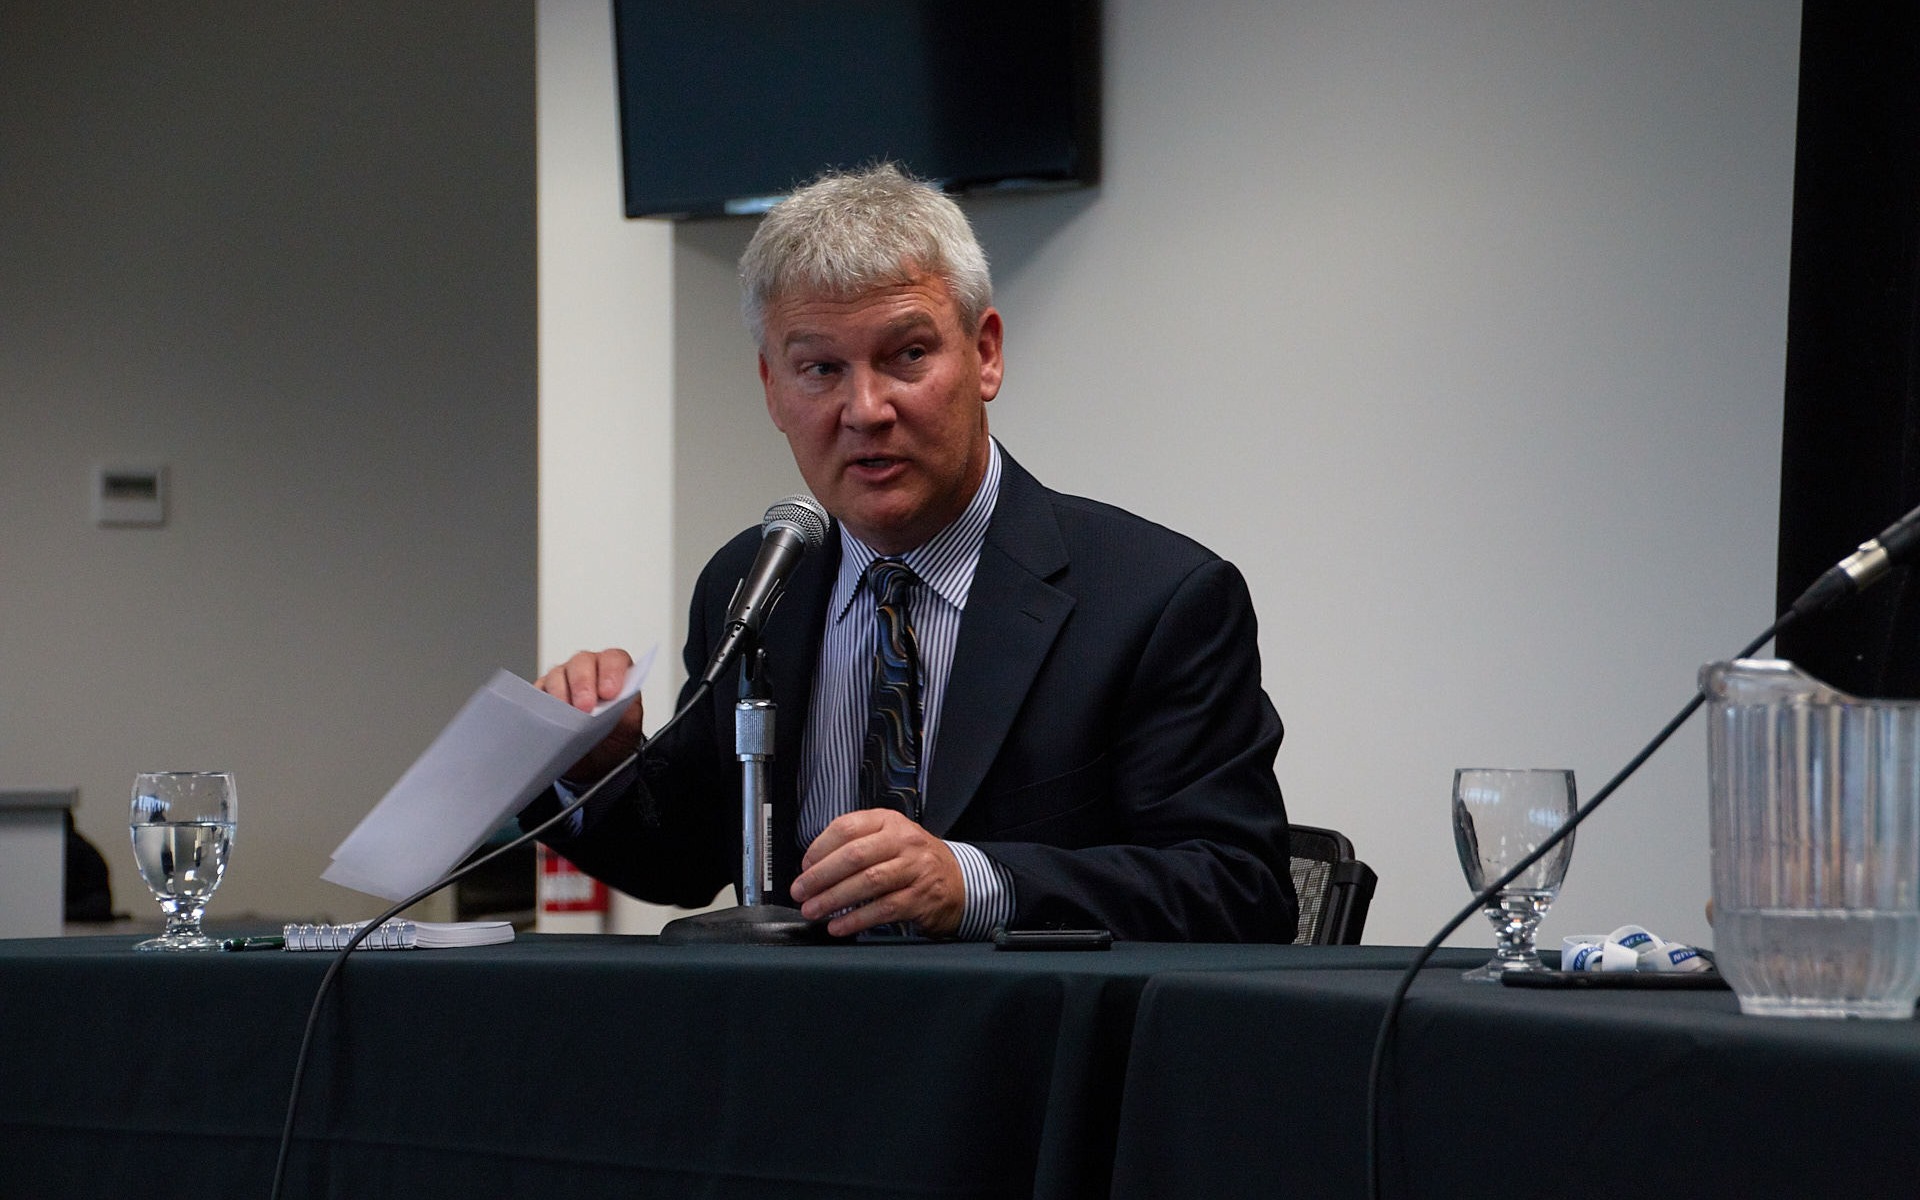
989, 888
576, 821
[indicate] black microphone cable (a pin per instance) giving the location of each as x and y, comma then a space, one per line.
1487, 894
1849, 576
1895, 545
699, 696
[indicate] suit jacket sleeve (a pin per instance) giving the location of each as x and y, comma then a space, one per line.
670, 836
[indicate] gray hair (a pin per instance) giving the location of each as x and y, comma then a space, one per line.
847, 232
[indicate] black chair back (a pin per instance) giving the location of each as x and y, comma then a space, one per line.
1334, 887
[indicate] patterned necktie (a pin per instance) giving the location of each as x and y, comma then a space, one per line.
890, 757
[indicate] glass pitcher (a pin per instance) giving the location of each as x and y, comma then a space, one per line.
1815, 814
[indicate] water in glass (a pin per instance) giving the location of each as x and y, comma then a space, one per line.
182, 824
1820, 962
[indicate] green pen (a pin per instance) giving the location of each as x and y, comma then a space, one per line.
254, 943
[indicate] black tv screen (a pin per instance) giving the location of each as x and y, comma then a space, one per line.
727, 105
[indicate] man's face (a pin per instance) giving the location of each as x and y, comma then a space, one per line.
883, 399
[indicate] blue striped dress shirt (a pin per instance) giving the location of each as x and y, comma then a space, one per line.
837, 719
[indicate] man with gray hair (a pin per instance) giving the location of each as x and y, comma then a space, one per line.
1004, 706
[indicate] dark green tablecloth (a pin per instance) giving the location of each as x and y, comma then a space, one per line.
580, 1067
1253, 1085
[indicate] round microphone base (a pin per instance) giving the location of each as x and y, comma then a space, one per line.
748, 925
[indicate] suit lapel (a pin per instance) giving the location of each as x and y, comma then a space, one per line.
1013, 616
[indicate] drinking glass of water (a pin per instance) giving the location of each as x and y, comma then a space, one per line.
182, 832
1500, 817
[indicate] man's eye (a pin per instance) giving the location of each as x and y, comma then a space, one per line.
818, 370
913, 354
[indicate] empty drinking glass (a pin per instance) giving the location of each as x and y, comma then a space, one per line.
1499, 817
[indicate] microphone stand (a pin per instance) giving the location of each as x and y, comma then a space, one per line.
754, 922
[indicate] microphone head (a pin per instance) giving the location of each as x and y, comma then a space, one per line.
802, 514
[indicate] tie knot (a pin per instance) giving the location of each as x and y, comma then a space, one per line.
889, 577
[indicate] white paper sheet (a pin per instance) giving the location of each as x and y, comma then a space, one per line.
504, 747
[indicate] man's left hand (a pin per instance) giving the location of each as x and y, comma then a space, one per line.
884, 868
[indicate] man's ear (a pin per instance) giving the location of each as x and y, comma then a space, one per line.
987, 343
766, 385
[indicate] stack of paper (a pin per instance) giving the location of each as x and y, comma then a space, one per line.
505, 746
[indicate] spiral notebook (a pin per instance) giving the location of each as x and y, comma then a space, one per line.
400, 934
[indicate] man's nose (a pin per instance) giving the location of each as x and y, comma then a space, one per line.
869, 399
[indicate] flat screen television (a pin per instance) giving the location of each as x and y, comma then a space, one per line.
728, 105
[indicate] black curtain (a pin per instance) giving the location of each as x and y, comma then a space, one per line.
1850, 458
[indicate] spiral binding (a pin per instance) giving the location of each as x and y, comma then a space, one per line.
397, 934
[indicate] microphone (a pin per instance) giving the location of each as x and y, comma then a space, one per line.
1863, 568
788, 530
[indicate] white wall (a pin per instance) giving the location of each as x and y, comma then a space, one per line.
606, 364
287, 249
1460, 327
606, 384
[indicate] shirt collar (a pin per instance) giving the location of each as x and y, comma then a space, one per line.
945, 563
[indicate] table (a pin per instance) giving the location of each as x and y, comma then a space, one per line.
575, 1068
581, 1067
1253, 1084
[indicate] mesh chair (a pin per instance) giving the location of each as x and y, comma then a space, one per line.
1334, 887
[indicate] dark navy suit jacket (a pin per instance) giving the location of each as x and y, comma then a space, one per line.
1105, 737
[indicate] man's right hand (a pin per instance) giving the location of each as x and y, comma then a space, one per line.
585, 681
